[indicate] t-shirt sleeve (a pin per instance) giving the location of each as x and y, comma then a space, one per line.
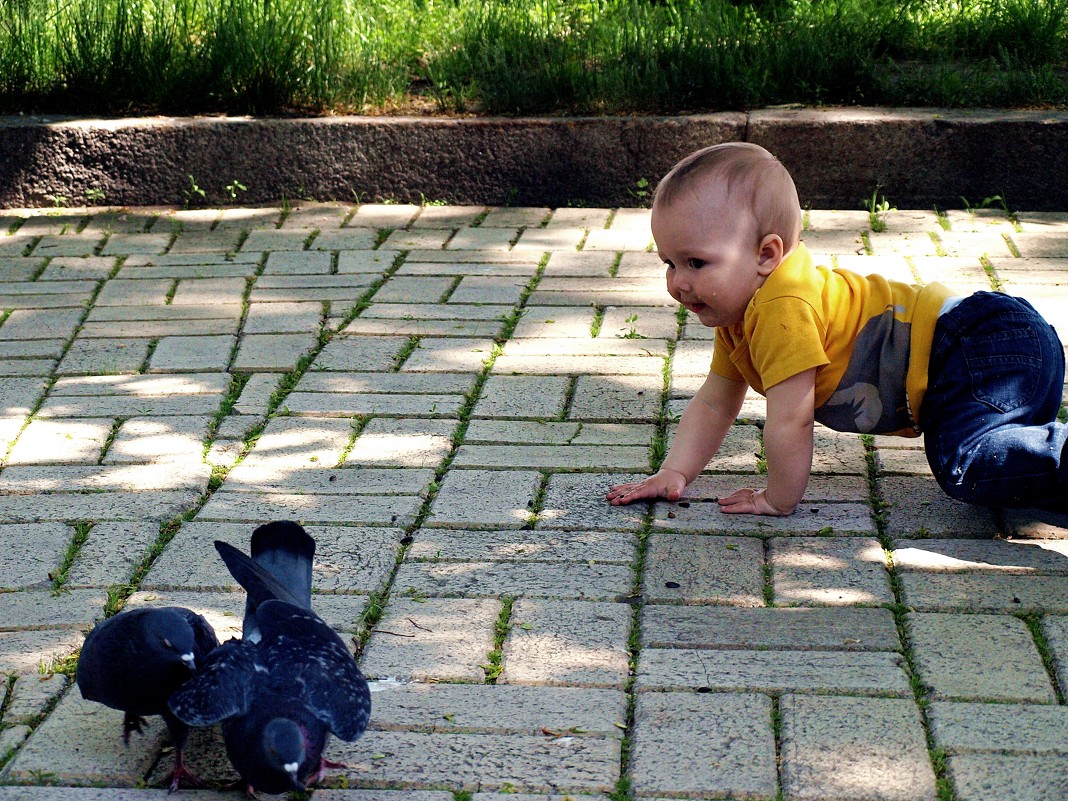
785, 338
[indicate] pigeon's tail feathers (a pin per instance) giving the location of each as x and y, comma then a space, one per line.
287, 551
259, 582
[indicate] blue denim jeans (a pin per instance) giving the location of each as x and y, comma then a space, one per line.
989, 416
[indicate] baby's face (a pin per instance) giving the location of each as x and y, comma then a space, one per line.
713, 264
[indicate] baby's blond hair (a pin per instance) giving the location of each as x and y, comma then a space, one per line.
753, 177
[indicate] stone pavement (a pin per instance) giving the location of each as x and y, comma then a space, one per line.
442, 394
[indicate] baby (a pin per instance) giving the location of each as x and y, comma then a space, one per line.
981, 376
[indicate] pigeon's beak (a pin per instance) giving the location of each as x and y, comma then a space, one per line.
190, 661
291, 769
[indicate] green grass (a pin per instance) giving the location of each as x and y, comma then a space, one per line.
526, 56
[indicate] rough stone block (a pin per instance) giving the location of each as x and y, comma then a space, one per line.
505, 499
402, 443
1032, 729
724, 740
34, 565
829, 571
527, 579
576, 502
437, 639
985, 592
696, 569
574, 643
849, 629
510, 545
982, 657
822, 672
854, 748
191, 354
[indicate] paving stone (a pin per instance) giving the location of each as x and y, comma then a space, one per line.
917, 507
289, 443
191, 354
127, 244
550, 239
352, 262
35, 652
39, 324
540, 580
26, 367
318, 215
497, 709
553, 322
1031, 729
61, 441
848, 629
725, 739
63, 268
505, 499
738, 670
510, 545
347, 559
632, 398
821, 489
1034, 523
502, 761
701, 515
142, 385
259, 352
32, 695
209, 292
474, 289
829, 571
377, 215
357, 354
692, 569
32, 349
522, 396
984, 592
283, 318
311, 508
71, 609
576, 502
339, 481
146, 439
560, 457
1055, 630
402, 443
577, 365
854, 748
96, 506
1023, 557
575, 643
437, 639
81, 741
483, 239
578, 346
161, 406
449, 355
978, 657
18, 396
345, 289
992, 777
111, 553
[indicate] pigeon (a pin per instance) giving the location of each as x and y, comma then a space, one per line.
136, 659
288, 682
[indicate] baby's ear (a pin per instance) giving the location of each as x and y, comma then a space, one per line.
770, 254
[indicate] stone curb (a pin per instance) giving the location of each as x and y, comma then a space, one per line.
917, 158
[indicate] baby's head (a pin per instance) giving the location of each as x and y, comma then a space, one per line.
724, 219
758, 189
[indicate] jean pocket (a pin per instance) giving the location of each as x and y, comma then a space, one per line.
1004, 367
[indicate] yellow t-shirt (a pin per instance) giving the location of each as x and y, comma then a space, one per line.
868, 338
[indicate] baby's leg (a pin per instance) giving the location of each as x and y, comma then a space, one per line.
989, 416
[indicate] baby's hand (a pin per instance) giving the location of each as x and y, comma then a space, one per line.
665, 484
752, 502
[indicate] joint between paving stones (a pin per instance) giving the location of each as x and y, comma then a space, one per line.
944, 788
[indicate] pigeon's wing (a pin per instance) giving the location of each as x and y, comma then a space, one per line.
222, 690
287, 551
307, 651
203, 634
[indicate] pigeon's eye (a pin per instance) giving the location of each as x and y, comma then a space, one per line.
167, 643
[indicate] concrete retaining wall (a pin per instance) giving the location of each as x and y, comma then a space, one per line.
917, 158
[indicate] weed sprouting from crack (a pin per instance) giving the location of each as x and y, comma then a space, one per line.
74, 547
503, 625
1033, 621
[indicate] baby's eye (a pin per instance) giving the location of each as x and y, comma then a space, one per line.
695, 264
669, 265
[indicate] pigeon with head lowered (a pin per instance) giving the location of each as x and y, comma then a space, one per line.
289, 682
136, 659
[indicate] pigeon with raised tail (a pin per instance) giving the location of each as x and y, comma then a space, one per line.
289, 682
136, 659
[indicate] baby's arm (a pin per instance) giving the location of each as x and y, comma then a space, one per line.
787, 447
703, 426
